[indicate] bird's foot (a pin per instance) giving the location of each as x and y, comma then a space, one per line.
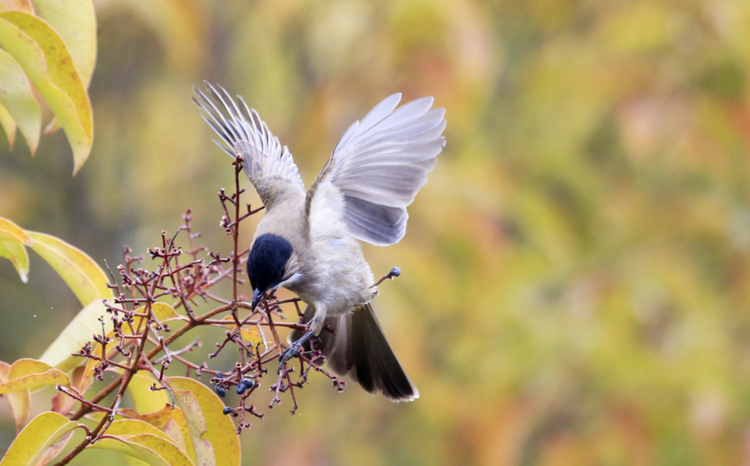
289, 353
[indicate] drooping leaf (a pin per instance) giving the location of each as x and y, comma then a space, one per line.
9, 126
9, 231
214, 438
17, 98
12, 242
18, 401
75, 21
43, 55
42, 432
84, 277
18, 256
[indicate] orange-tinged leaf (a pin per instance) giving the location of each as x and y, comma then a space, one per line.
213, 434
31, 374
79, 331
45, 58
17, 98
18, 401
42, 432
62, 403
20, 5
84, 277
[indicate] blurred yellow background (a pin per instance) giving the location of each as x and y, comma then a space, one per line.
576, 272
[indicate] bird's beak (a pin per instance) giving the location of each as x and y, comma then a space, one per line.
256, 298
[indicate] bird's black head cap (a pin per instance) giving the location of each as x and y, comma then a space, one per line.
265, 266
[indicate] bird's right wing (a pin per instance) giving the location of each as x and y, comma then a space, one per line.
269, 167
379, 165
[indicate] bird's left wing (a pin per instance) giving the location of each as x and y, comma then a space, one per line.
378, 167
269, 167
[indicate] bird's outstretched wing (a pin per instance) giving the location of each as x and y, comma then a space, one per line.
379, 165
269, 167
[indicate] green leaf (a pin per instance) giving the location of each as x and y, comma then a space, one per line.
18, 401
42, 432
16, 97
76, 334
84, 277
214, 438
45, 58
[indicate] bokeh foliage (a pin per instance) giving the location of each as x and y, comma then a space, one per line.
575, 286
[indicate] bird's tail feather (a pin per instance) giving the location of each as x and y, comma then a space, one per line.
356, 348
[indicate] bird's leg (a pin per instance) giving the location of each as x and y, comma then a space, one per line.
294, 349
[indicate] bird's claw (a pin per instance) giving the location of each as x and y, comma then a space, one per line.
288, 354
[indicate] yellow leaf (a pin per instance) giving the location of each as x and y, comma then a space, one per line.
79, 331
84, 277
9, 126
45, 58
42, 432
18, 401
9, 231
146, 400
53, 450
172, 422
18, 100
214, 437
140, 452
143, 441
18, 256
31, 374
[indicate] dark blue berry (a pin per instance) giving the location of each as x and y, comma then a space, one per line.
221, 392
228, 410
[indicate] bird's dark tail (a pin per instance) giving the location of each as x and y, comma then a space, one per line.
357, 349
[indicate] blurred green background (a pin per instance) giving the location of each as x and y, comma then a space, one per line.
575, 284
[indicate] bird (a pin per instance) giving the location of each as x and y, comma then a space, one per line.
307, 240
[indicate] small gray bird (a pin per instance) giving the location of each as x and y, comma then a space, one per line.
306, 241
